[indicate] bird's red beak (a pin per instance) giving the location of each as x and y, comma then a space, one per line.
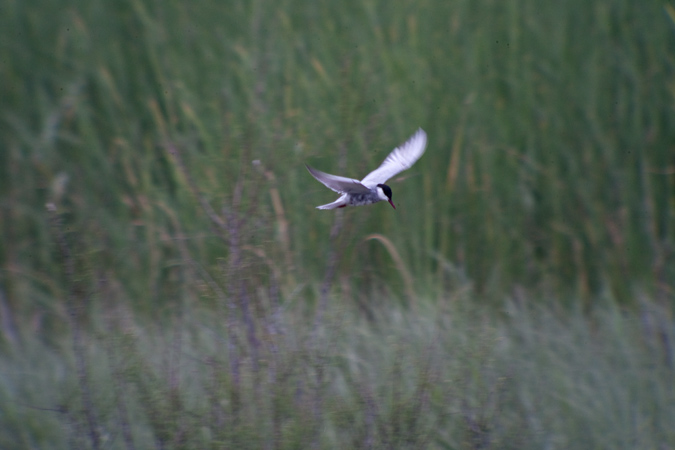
391, 203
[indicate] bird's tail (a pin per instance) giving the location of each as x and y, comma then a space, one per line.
339, 203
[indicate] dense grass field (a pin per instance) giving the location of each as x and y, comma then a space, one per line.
447, 377
166, 282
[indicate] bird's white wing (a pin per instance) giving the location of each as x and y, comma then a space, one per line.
341, 185
401, 158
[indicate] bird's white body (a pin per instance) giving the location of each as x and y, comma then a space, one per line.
374, 196
372, 188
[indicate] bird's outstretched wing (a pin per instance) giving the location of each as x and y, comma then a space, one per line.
341, 185
401, 158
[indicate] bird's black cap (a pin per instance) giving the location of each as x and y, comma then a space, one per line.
386, 189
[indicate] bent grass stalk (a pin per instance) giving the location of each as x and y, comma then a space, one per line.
400, 265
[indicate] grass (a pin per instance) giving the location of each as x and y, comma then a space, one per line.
550, 149
446, 377
181, 290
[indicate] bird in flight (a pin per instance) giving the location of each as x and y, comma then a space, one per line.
372, 188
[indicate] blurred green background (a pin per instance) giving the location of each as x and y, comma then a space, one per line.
171, 139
